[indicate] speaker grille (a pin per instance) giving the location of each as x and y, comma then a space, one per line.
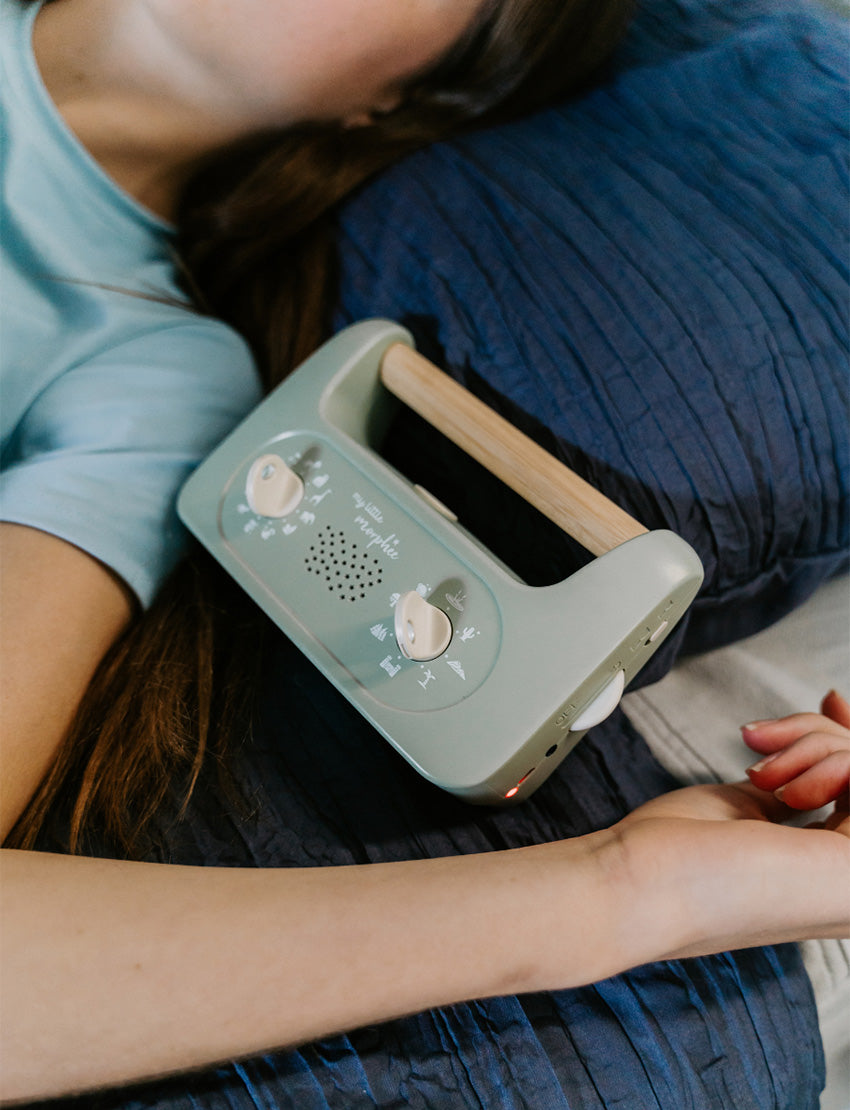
348, 572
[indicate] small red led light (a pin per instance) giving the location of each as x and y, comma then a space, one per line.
512, 791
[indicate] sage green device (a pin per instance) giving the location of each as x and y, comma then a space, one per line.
481, 682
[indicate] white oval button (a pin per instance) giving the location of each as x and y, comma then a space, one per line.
422, 630
272, 489
602, 706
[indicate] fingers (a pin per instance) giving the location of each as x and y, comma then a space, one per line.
807, 756
811, 772
836, 708
824, 783
772, 736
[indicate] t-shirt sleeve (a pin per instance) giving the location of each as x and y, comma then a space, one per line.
101, 453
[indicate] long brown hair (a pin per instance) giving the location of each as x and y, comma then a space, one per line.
255, 244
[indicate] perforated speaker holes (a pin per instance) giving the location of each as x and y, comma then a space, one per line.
347, 571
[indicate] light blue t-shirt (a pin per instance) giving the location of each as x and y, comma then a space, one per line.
108, 396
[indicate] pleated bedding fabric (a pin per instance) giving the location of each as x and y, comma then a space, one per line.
650, 280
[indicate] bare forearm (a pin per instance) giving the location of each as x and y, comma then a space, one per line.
115, 971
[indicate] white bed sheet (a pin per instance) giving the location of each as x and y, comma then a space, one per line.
692, 718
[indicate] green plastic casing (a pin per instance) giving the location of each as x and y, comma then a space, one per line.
490, 718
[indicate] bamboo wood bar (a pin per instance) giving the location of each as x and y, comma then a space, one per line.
523, 465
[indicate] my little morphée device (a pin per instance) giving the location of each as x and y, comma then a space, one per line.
481, 682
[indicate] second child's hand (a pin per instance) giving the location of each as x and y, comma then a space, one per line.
806, 759
720, 857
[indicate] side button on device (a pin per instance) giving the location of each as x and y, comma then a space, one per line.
422, 630
602, 706
658, 632
272, 489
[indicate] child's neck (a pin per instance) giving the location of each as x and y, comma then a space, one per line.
123, 92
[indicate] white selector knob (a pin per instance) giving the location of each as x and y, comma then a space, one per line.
272, 488
422, 630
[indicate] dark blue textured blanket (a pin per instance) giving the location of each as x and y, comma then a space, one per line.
653, 281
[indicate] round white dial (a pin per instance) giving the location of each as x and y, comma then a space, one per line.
422, 630
272, 488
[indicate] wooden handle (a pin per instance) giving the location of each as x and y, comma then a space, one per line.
560, 494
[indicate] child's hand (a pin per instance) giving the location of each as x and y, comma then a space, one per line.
807, 758
724, 868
